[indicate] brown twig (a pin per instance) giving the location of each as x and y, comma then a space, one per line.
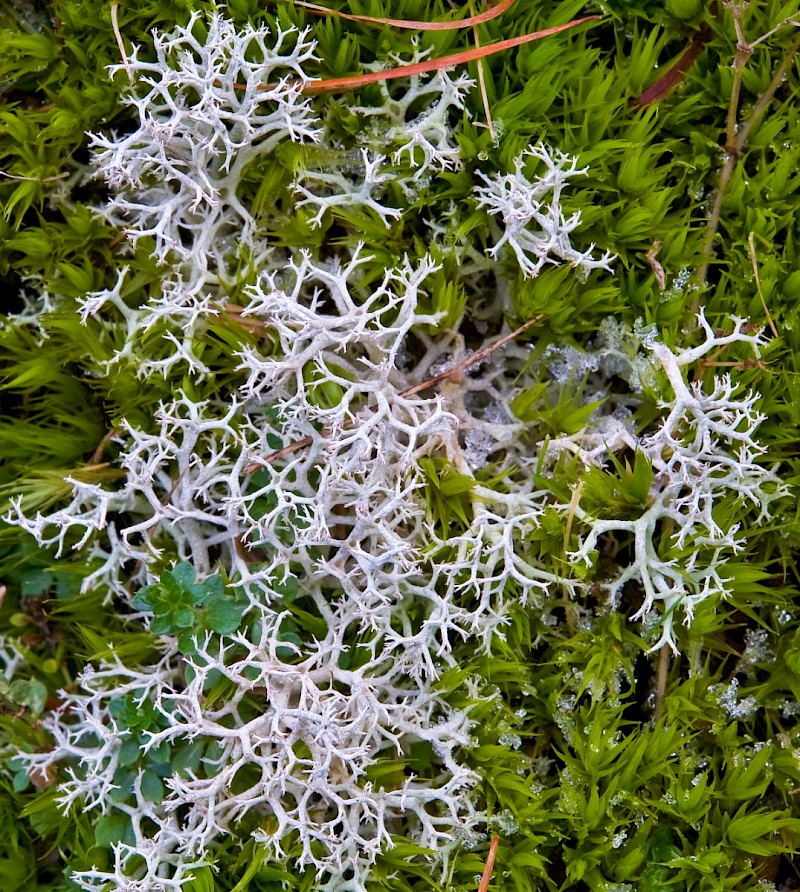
453, 372
736, 141
339, 84
765, 98
97, 455
744, 50
254, 326
661, 683
658, 269
486, 878
412, 25
661, 88
473, 358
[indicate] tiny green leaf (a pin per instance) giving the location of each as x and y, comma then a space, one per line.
223, 615
152, 787
110, 828
129, 753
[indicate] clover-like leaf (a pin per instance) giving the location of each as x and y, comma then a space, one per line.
223, 615
182, 573
152, 787
174, 599
142, 599
110, 828
187, 643
129, 753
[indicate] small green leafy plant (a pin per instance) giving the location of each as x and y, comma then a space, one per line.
185, 608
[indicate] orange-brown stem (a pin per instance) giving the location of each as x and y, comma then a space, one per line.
410, 24
337, 84
667, 82
489, 866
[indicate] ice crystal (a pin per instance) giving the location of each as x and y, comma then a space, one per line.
471, 840
619, 352
729, 700
505, 823
511, 740
758, 649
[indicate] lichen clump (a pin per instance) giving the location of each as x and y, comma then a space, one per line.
312, 540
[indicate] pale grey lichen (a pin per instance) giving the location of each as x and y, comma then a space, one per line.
221, 481
534, 225
703, 450
206, 108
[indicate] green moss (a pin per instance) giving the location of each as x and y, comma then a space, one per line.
602, 767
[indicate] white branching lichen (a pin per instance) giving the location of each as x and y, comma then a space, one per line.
703, 451
10, 658
343, 515
207, 108
419, 122
416, 127
311, 472
534, 225
363, 187
300, 760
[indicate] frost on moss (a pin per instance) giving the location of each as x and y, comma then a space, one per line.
311, 481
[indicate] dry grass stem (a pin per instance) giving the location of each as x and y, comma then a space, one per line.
118, 36
487, 870
410, 24
482, 84
754, 261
